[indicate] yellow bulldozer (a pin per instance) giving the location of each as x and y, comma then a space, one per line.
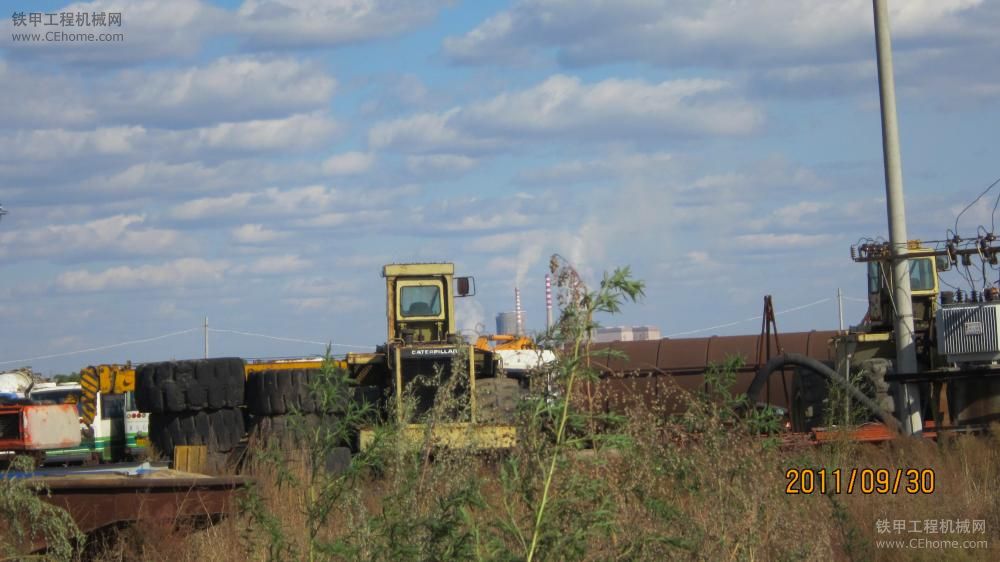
424, 352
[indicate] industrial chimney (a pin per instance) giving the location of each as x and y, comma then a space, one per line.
518, 311
548, 302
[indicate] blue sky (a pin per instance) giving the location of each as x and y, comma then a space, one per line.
257, 161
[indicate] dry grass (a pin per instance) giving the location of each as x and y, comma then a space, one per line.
720, 496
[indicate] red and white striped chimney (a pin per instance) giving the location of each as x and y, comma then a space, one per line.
518, 314
548, 302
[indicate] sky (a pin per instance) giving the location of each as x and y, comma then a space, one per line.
257, 162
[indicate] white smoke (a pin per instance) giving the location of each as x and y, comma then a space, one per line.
471, 317
528, 256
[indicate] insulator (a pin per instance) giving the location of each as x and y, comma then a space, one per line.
854, 254
952, 253
974, 296
959, 295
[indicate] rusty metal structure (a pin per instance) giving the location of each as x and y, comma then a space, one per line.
638, 372
104, 498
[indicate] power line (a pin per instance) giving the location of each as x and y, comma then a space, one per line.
281, 338
758, 317
974, 201
100, 348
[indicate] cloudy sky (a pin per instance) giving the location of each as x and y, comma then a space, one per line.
256, 162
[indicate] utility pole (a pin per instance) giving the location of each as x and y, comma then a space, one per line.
840, 309
908, 399
206, 337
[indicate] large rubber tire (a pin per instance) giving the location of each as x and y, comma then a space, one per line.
218, 430
799, 360
370, 395
227, 428
280, 432
280, 392
497, 399
167, 430
147, 397
231, 377
190, 386
286, 431
224, 379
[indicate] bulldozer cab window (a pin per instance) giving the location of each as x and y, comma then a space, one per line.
420, 301
874, 277
922, 274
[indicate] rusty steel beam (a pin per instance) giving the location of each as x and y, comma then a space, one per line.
98, 502
647, 371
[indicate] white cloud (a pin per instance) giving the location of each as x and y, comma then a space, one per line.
698, 32
311, 205
255, 234
119, 235
296, 131
168, 180
348, 163
374, 220
429, 132
277, 265
321, 286
602, 167
796, 215
439, 165
42, 99
564, 106
810, 48
309, 198
218, 91
276, 135
613, 107
310, 304
780, 242
498, 242
211, 206
177, 273
311, 23
52, 144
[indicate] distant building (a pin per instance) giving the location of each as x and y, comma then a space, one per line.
507, 323
626, 333
643, 333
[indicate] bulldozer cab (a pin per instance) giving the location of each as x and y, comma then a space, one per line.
420, 303
923, 284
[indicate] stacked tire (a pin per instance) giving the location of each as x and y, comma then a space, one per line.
195, 402
281, 392
275, 394
272, 395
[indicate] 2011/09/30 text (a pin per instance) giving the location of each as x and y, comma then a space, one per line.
860, 480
